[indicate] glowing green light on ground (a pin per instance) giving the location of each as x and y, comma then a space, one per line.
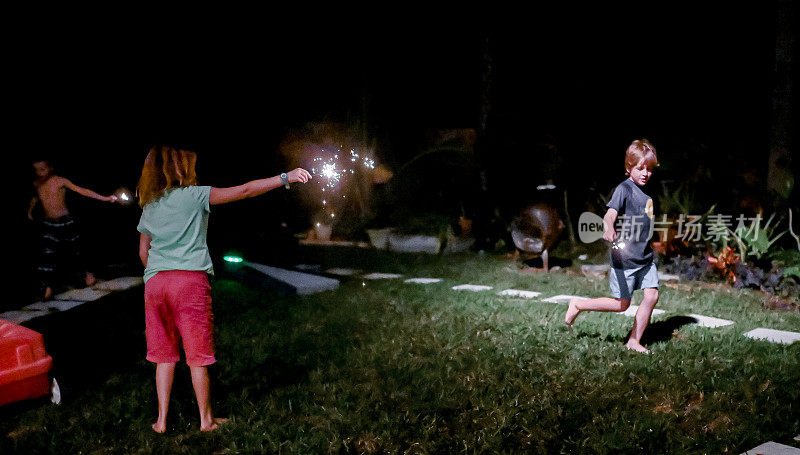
232, 258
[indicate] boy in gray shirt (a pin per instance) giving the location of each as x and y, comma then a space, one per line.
632, 260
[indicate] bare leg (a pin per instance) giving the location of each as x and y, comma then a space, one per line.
576, 305
201, 385
165, 373
90, 279
48, 293
642, 319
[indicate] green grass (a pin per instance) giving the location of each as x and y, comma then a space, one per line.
423, 369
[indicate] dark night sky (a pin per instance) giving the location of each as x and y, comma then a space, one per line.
95, 98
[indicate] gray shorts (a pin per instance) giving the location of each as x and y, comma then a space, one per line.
624, 281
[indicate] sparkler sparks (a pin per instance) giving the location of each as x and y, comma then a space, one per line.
332, 172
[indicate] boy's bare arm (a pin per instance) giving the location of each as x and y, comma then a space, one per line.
254, 188
144, 248
34, 200
609, 220
86, 192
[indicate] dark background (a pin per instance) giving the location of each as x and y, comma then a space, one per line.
695, 80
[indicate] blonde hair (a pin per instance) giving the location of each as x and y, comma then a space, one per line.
165, 167
639, 149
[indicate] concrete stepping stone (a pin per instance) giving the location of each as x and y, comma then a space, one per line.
119, 284
381, 276
520, 293
308, 267
423, 280
471, 287
84, 294
773, 448
562, 298
304, 283
342, 271
775, 336
708, 321
631, 311
797, 438
668, 277
21, 316
53, 305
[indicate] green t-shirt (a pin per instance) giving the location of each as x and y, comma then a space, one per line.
177, 224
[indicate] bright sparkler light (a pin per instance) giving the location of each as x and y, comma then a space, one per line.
333, 172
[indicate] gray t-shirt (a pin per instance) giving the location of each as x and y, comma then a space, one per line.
635, 215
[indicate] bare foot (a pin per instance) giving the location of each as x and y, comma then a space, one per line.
160, 427
90, 279
217, 421
48, 292
636, 346
572, 312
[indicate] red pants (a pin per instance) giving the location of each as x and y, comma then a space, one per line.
177, 305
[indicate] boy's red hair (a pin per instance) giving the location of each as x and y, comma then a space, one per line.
164, 168
640, 148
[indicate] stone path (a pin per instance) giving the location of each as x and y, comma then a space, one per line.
520, 293
775, 336
773, 448
308, 283
471, 287
71, 299
381, 276
303, 283
423, 280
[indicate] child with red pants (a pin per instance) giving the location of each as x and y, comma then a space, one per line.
173, 249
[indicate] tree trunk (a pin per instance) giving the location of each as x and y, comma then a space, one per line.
780, 178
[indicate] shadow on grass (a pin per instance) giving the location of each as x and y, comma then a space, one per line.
661, 331
656, 332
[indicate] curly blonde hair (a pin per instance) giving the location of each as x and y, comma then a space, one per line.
640, 148
165, 167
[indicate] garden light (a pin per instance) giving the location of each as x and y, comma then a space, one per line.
233, 259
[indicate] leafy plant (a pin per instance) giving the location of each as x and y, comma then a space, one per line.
680, 200
755, 241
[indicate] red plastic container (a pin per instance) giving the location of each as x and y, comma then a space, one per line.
24, 364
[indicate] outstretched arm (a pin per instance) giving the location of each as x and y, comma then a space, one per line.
87, 192
144, 248
254, 187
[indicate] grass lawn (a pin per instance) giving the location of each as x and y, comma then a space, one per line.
397, 367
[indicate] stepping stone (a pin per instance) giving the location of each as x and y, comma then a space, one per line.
472, 287
708, 321
53, 305
342, 271
562, 298
668, 277
631, 311
119, 284
85, 294
797, 438
520, 293
773, 448
423, 280
381, 276
304, 283
18, 317
308, 267
775, 336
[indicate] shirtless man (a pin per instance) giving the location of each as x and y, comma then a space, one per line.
59, 235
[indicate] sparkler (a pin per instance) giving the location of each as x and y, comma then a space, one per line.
333, 172
123, 195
